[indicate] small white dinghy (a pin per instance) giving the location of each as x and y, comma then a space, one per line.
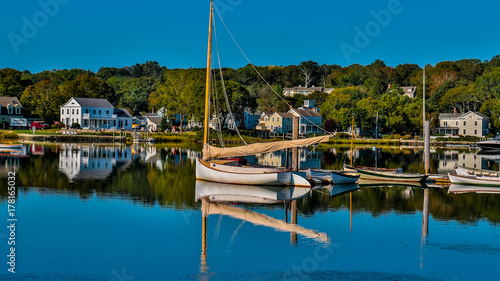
221, 173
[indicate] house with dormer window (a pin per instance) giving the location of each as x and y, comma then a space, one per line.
95, 114
468, 124
10, 107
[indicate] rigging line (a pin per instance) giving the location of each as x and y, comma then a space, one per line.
216, 112
260, 75
231, 115
312, 150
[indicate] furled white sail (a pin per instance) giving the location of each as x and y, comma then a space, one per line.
212, 152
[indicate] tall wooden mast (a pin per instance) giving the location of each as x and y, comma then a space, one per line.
209, 75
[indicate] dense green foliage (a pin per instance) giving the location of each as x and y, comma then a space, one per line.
364, 92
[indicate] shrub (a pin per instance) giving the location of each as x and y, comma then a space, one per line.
342, 135
75, 126
53, 126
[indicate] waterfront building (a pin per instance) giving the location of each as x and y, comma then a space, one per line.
310, 119
276, 122
305, 90
251, 119
468, 124
97, 114
10, 107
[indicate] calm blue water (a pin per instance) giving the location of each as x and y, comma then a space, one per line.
140, 220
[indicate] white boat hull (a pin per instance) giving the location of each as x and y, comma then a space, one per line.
473, 180
247, 176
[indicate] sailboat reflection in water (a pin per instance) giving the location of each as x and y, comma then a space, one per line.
215, 199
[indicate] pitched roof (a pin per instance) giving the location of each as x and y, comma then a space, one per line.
452, 116
122, 112
483, 116
449, 115
149, 114
307, 112
409, 89
156, 120
285, 114
4, 101
89, 102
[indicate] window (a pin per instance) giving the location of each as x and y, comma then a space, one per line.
93, 111
464, 132
107, 112
457, 123
475, 132
18, 110
126, 122
62, 111
99, 112
273, 119
470, 116
445, 123
73, 111
465, 123
77, 111
86, 111
114, 122
475, 123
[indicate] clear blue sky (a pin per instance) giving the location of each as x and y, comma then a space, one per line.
90, 34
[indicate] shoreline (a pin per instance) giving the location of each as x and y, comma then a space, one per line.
160, 138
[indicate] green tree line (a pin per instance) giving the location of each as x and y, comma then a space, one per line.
366, 93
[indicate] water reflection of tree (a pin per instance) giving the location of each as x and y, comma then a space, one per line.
383, 200
170, 186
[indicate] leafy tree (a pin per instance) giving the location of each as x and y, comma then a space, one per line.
11, 83
488, 85
178, 93
268, 100
43, 99
463, 98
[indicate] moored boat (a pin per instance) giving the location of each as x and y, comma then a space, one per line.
489, 145
336, 177
475, 180
475, 172
208, 171
352, 168
391, 176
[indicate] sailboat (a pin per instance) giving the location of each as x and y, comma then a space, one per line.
230, 171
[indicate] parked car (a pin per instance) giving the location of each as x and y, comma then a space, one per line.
39, 125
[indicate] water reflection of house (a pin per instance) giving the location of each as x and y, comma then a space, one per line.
449, 159
282, 159
10, 161
92, 162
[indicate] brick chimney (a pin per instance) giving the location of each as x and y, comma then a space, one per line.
454, 110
